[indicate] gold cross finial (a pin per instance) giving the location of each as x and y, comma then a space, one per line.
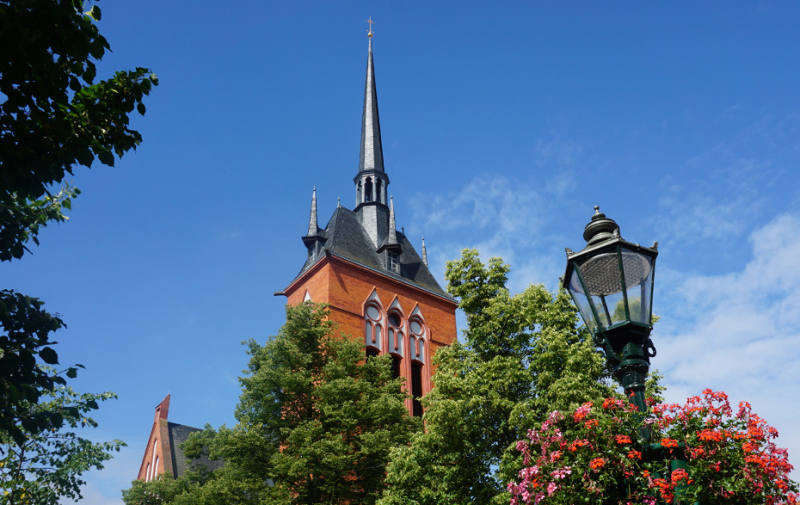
371, 22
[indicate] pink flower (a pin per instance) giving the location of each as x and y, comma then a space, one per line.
551, 488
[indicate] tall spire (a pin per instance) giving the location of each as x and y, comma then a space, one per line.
312, 220
424, 252
371, 148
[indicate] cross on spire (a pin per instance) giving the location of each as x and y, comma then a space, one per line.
371, 22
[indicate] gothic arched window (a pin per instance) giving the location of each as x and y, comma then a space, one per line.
368, 190
396, 342
373, 335
416, 341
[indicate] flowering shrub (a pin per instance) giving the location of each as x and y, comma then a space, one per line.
592, 455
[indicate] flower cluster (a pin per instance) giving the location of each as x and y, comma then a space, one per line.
700, 451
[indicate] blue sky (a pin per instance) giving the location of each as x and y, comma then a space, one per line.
502, 127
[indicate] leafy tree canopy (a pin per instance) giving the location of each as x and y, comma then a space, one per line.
53, 113
316, 422
523, 356
48, 464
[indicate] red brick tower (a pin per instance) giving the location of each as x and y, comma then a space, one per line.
378, 288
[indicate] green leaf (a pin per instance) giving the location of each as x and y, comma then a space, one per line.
95, 13
72, 372
106, 158
49, 356
141, 108
74, 84
84, 157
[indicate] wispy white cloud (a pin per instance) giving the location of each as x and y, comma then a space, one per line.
715, 204
498, 216
740, 332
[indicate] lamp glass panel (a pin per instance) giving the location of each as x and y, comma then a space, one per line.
610, 308
638, 270
580, 299
648, 290
602, 277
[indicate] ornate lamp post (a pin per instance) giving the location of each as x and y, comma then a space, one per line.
611, 282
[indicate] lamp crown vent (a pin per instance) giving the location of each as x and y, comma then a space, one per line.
600, 228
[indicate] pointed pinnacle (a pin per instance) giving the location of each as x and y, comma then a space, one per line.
312, 220
392, 229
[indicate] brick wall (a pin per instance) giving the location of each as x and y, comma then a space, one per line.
346, 287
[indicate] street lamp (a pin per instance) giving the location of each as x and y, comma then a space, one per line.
611, 282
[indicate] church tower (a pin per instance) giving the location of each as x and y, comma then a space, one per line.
378, 288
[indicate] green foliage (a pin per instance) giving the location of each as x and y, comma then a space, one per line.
164, 489
54, 115
48, 464
26, 336
524, 356
316, 422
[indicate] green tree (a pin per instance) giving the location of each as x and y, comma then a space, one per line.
53, 116
48, 464
316, 422
524, 355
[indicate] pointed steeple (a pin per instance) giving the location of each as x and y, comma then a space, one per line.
312, 221
371, 180
371, 148
424, 252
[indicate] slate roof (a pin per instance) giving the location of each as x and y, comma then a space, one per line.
178, 434
345, 238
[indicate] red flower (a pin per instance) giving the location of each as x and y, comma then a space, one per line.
597, 463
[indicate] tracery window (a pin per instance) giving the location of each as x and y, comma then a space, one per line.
417, 340
373, 335
396, 341
416, 343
